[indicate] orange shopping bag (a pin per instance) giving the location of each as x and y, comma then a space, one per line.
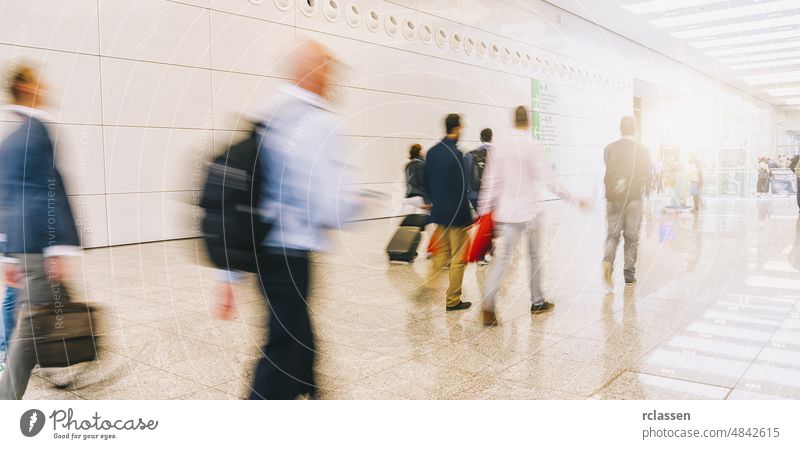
482, 240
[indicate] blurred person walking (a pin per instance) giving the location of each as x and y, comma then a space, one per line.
37, 221
304, 192
658, 183
517, 173
794, 165
447, 191
696, 179
762, 186
416, 196
627, 175
474, 164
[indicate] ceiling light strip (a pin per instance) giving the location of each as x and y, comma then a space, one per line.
761, 37
738, 27
654, 6
768, 64
749, 49
771, 56
785, 92
772, 78
727, 13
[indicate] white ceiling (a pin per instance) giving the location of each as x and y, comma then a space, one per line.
753, 45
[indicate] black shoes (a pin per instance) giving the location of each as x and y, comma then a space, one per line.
630, 281
488, 318
542, 308
460, 306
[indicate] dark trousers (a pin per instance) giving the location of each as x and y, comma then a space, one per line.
286, 368
798, 193
34, 291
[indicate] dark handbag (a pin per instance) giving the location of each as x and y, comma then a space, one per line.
64, 331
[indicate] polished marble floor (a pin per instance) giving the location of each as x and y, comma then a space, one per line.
715, 315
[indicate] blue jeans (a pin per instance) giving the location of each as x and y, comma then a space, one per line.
7, 318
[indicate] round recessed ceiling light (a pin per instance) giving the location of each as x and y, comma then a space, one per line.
409, 29
482, 48
441, 37
309, 7
353, 15
455, 41
426, 34
373, 21
494, 52
391, 25
469, 45
331, 10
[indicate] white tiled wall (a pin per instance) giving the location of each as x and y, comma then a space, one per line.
144, 92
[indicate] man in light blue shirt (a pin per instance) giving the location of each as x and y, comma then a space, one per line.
307, 190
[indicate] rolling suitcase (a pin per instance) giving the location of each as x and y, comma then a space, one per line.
417, 220
403, 246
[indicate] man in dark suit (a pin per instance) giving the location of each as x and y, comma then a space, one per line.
37, 221
447, 192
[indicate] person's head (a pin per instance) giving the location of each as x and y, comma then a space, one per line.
313, 67
521, 117
415, 152
25, 88
627, 126
486, 135
452, 125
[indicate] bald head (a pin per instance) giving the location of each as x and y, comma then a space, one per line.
312, 67
627, 126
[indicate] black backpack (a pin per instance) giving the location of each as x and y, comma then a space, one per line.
233, 230
476, 170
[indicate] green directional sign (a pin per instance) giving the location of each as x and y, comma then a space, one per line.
536, 90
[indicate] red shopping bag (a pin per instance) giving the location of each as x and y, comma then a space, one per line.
482, 241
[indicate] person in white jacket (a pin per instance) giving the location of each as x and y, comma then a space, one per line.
516, 175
